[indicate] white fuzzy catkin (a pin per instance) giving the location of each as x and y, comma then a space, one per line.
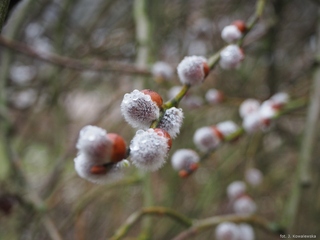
172, 121
246, 232
280, 98
227, 231
231, 57
183, 158
93, 141
236, 189
254, 177
248, 106
163, 70
191, 70
83, 164
213, 96
231, 33
139, 110
227, 128
148, 150
206, 139
244, 206
252, 122
268, 109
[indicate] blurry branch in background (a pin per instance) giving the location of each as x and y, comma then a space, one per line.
199, 226
4, 6
194, 226
302, 178
94, 65
157, 211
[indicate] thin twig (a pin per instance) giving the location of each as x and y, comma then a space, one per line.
158, 211
80, 65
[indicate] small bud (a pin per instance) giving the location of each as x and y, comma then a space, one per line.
241, 25
246, 232
231, 33
148, 149
268, 109
172, 121
140, 108
119, 148
236, 189
244, 206
227, 128
183, 159
207, 138
227, 231
249, 106
193, 102
231, 57
214, 96
162, 71
193, 70
254, 177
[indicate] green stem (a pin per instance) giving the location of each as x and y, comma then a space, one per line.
157, 211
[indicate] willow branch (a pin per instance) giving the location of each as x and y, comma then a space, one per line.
157, 211
66, 62
208, 223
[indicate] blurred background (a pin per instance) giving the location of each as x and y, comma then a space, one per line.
44, 105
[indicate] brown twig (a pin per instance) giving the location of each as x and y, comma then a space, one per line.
80, 65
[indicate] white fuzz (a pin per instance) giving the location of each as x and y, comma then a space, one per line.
84, 162
244, 206
280, 98
246, 232
191, 70
252, 122
231, 34
248, 106
163, 70
214, 96
268, 109
254, 177
148, 150
172, 121
236, 189
231, 57
183, 158
206, 139
227, 231
227, 128
93, 141
138, 109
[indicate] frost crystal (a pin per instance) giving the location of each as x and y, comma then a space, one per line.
183, 158
227, 128
206, 139
172, 121
93, 141
231, 57
248, 106
227, 231
139, 110
148, 150
236, 189
231, 33
192, 70
163, 70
